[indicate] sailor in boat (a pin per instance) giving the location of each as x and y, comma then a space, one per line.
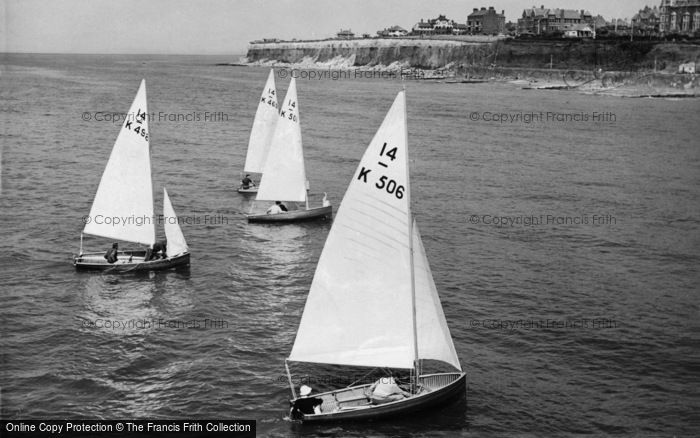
158, 251
325, 201
305, 404
386, 390
247, 183
277, 208
111, 254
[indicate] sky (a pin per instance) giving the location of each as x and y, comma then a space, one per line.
227, 26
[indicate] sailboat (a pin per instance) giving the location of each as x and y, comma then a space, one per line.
284, 175
261, 134
373, 301
123, 206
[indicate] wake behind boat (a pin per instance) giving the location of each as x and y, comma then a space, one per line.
260, 135
373, 302
283, 192
126, 191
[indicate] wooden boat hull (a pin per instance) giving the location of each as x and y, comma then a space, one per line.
248, 190
128, 261
294, 215
353, 403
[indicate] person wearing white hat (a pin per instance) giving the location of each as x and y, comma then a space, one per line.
305, 404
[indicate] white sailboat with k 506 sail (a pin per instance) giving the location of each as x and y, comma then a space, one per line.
283, 195
260, 135
373, 301
123, 205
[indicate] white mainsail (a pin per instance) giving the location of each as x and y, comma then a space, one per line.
125, 191
434, 339
359, 309
176, 240
284, 176
263, 128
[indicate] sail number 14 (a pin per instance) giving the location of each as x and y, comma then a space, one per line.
384, 182
140, 129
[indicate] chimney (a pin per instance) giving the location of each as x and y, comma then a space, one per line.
483, 9
503, 12
475, 9
490, 8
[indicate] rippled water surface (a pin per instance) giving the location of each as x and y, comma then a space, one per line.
578, 314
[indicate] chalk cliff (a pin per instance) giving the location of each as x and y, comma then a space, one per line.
434, 54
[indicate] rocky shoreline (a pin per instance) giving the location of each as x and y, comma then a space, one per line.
614, 69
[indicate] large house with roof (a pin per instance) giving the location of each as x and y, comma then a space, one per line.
646, 20
393, 31
486, 21
679, 16
543, 20
437, 26
345, 34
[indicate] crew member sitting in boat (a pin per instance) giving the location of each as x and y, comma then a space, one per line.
158, 251
305, 404
247, 183
277, 208
111, 254
386, 390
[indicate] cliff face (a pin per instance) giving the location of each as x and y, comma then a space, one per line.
429, 54
432, 54
590, 55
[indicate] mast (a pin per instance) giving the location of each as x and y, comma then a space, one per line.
410, 252
289, 378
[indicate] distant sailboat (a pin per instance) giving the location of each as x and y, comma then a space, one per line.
123, 205
373, 301
284, 175
261, 134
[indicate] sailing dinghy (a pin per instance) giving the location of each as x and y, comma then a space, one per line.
373, 301
284, 175
261, 134
123, 205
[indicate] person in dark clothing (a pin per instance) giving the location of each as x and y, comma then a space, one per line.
305, 404
111, 254
160, 247
157, 251
246, 182
277, 208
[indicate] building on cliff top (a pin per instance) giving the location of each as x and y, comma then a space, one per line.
346, 34
542, 20
579, 31
392, 32
486, 21
679, 16
436, 26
